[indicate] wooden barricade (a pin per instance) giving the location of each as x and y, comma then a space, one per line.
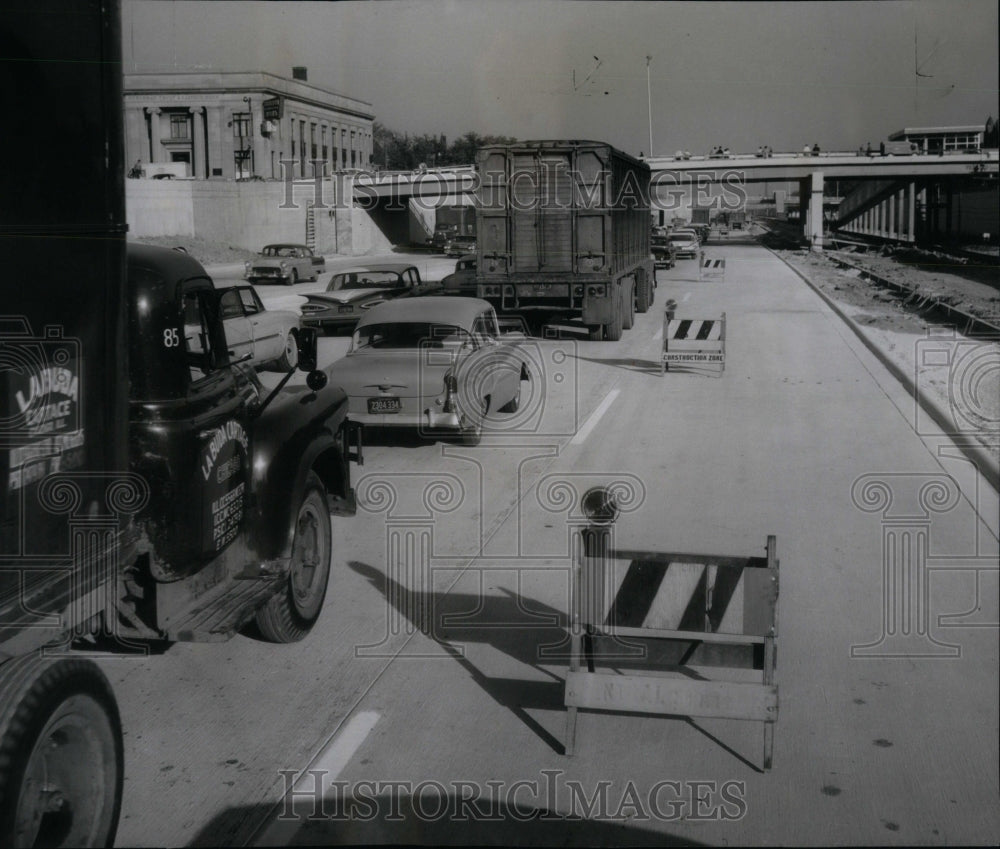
690, 341
711, 268
676, 604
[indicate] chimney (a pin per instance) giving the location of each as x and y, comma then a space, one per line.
300, 72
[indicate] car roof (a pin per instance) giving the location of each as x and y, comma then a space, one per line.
442, 309
397, 267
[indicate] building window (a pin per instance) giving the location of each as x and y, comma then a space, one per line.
241, 125
179, 126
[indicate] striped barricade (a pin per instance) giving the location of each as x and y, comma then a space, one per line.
708, 626
712, 268
691, 341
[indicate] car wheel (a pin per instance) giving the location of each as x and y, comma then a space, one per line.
62, 755
290, 614
472, 432
512, 405
289, 358
294, 278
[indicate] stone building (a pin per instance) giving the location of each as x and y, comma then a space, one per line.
242, 124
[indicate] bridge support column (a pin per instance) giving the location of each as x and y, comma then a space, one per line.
911, 217
814, 219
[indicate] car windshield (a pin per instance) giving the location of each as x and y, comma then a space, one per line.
680, 237
279, 250
409, 335
365, 280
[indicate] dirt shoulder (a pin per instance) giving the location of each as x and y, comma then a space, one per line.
968, 386
203, 250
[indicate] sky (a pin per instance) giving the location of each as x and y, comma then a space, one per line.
784, 74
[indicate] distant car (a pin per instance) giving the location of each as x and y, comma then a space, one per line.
458, 245
442, 233
284, 263
353, 291
269, 336
685, 245
462, 281
663, 252
434, 363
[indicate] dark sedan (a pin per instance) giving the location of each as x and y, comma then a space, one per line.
354, 291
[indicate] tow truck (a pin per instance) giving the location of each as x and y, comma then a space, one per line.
153, 489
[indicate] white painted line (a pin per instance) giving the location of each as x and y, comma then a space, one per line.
339, 751
595, 417
659, 333
325, 769
686, 296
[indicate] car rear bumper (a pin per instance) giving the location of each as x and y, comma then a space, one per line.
427, 420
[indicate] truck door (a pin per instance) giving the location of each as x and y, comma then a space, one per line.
190, 435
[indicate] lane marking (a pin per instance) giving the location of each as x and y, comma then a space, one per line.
329, 763
686, 296
659, 334
595, 417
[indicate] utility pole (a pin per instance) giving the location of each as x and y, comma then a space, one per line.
649, 104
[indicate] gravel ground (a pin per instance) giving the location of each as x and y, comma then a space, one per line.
899, 332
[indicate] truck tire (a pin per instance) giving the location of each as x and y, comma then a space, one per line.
644, 293
613, 330
290, 613
595, 332
61, 754
628, 307
289, 359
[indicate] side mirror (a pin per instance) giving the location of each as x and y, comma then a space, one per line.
307, 348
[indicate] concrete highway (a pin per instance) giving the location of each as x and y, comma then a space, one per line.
427, 673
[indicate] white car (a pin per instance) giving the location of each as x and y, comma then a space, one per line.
436, 363
685, 245
268, 336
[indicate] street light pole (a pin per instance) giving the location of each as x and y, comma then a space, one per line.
649, 104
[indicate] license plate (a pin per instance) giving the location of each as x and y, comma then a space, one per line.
383, 405
345, 308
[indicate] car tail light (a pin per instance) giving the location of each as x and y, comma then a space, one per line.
450, 391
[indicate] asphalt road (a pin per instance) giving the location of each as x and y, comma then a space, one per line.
428, 672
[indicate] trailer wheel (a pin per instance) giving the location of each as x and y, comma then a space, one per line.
644, 293
613, 330
61, 755
628, 306
290, 614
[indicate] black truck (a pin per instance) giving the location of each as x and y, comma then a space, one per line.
152, 490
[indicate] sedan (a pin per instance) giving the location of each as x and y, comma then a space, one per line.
663, 252
685, 245
435, 363
458, 245
462, 281
267, 338
285, 263
352, 292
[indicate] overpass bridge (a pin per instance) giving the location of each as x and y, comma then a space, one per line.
889, 205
